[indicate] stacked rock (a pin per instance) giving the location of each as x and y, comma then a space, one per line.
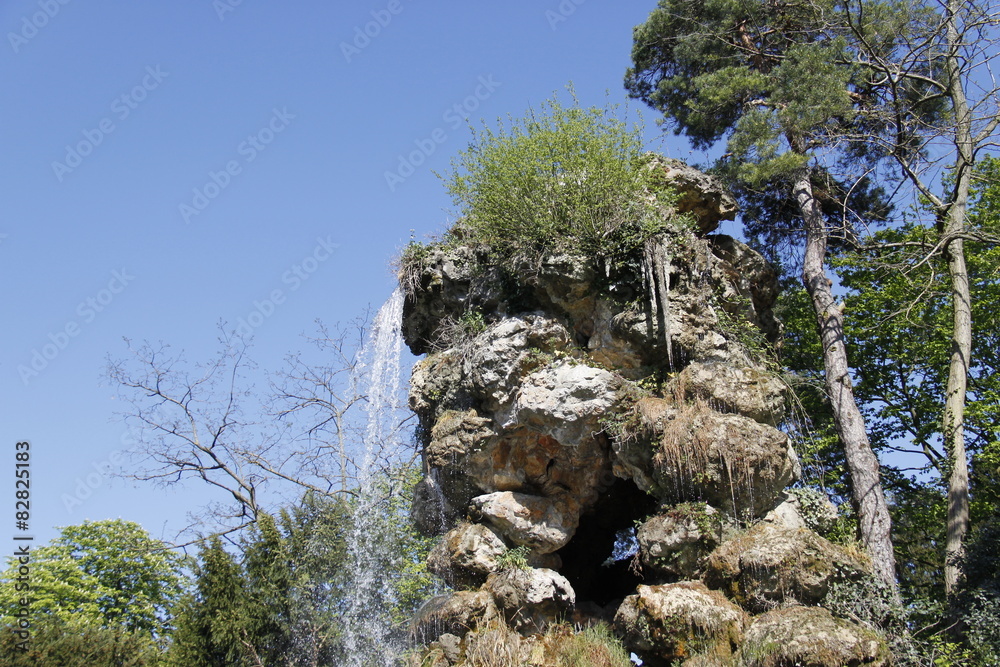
602, 442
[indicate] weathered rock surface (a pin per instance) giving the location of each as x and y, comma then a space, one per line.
466, 555
505, 352
672, 622
690, 452
809, 636
770, 564
452, 613
531, 598
567, 400
699, 195
743, 390
729, 461
678, 541
542, 524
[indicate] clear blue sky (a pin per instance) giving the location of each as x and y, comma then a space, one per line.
116, 113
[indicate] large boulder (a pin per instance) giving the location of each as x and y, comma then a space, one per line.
466, 555
699, 195
673, 622
771, 564
500, 356
740, 389
541, 524
530, 598
677, 541
690, 452
811, 637
452, 613
564, 400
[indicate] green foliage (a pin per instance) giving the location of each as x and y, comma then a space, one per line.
101, 574
514, 559
54, 643
979, 593
211, 622
560, 178
282, 603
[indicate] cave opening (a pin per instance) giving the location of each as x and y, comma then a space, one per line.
598, 561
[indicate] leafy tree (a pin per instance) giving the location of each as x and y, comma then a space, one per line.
841, 93
900, 326
54, 643
104, 574
285, 601
768, 77
210, 621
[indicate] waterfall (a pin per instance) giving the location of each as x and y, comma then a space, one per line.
369, 639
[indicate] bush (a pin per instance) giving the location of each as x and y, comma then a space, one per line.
567, 177
979, 595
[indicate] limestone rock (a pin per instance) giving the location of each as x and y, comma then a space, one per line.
446, 284
542, 524
744, 390
769, 565
436, 384
678, 541
565, 401
530, 598
700, 195
499, 356
748, 281
455, 439
786, 514
673, 622
690, 452
466, 555
810, 636
453, 613
431, 512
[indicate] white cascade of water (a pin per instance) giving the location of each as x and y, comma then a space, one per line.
369, 639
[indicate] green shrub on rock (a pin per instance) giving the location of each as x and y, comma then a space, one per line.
563, 178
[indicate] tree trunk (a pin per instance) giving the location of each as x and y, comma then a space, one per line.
866, 488
954, 413
953, 421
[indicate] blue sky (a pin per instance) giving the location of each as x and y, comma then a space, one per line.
170, 165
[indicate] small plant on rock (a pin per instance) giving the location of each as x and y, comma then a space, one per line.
514, 559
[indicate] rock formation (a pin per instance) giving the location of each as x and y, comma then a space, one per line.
600, 442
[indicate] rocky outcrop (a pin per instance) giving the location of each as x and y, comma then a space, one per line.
809, 636
770, 565
530, 598
672, 622
600, 440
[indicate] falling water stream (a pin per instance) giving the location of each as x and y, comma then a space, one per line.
368, 633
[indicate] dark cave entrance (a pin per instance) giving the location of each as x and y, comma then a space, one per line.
597, 561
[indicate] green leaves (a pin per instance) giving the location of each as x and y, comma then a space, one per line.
105, 574
562, 177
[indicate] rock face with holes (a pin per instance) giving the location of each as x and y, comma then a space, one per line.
601, 442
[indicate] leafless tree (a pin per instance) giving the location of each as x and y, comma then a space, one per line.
206, 421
